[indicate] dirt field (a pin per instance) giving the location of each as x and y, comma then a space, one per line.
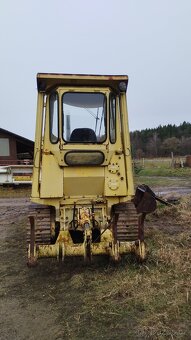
101, 301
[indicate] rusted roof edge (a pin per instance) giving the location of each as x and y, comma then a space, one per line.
47, 81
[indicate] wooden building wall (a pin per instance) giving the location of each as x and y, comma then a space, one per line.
12, 147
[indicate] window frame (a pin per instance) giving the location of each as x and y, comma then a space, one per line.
6, 142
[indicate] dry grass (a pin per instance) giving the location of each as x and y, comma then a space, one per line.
132, 301
181, 213
136, 302
15, 191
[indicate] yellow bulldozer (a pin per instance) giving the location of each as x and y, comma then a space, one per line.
83, 191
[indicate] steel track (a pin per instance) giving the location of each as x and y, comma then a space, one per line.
126, 217
42, 216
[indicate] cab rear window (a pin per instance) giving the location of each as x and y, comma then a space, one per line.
84, 117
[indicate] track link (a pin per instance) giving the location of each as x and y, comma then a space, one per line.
42, 215
126, 217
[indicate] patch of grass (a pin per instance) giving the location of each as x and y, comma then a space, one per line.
162, 171
149, 301
160, 162
158, 174
15, 191
163, 182
180, 213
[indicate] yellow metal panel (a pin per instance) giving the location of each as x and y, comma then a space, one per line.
115, 177
81, 181
51, 178
37, 148
126, 144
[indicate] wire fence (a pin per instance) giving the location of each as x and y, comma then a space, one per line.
163, 162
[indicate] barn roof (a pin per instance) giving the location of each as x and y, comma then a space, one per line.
17, 137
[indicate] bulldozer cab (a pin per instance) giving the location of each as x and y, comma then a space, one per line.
82, 143
82, 176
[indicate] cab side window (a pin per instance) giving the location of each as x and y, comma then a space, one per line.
53, 109
112, 120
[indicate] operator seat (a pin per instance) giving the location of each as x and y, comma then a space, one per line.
83, 135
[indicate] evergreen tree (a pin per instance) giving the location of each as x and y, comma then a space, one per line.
161, 141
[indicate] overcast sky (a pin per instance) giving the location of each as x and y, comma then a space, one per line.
150, 40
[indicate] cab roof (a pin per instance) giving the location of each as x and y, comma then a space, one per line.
47, 81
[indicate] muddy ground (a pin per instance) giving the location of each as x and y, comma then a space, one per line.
55, 301
28, 304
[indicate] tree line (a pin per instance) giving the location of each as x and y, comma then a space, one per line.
161, 141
